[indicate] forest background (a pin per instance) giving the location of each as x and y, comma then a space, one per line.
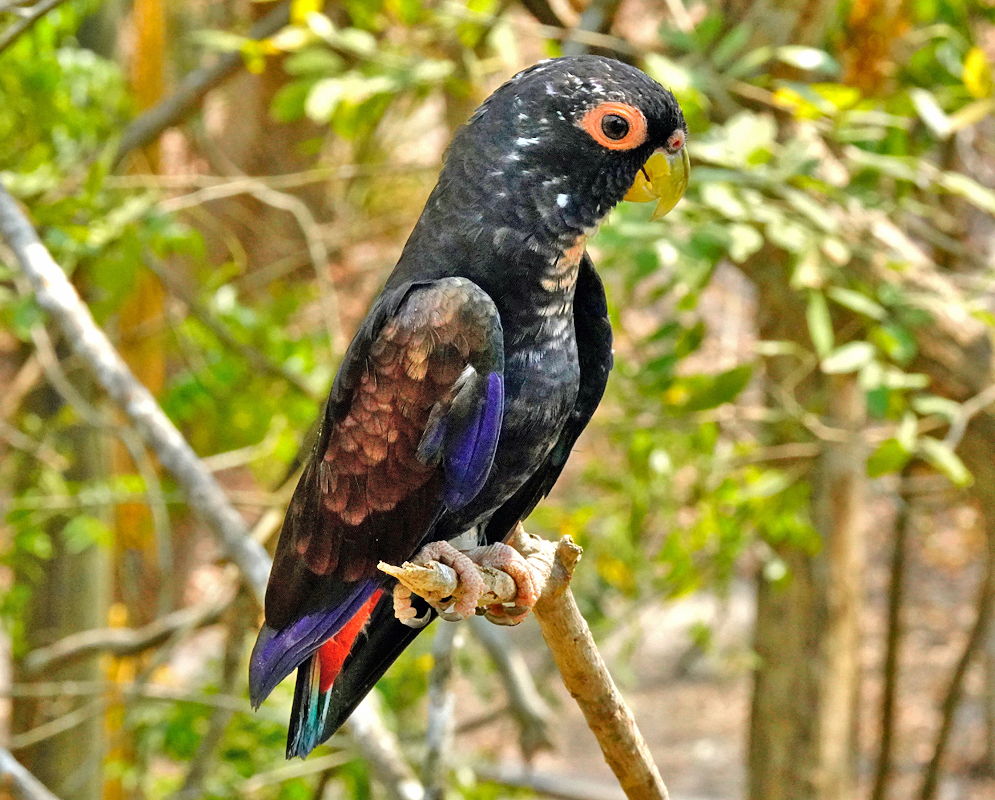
787, 499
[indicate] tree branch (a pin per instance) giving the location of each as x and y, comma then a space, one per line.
896, 592
441, 712
524, 701
31, 16
121, 641
955, 689
194, 88
569, 639
16, 780
56, 295
378, 745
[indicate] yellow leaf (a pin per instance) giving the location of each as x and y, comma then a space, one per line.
299, 10
977, 75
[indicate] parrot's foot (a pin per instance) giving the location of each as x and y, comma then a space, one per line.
470, 588
507, 559
404, 611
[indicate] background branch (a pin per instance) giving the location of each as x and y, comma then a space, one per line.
194, 88
20, 783
57, 295
524, 701
121, 641
30, 18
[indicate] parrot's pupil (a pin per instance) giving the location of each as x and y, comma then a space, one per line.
614, 126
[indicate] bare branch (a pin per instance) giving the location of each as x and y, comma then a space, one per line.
59, 725
18, 781
893, 640
241, 621
550, 785
967, 411
316, 248
955, 689
121, 641
31, 16
441, 710
194, 88
57, 296
286, 772
378, 745
39, 450
569, 639
525, 702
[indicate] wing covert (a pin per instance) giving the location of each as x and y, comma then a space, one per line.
410, 429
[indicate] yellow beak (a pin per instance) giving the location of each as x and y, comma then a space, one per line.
664, 177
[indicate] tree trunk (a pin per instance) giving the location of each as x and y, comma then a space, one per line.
803, 722
70, 596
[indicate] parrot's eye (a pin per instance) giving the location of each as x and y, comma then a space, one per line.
617, 126
614, 127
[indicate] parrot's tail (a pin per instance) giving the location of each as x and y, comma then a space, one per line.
315, 677
332, 681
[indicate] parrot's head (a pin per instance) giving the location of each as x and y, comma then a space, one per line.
575, 136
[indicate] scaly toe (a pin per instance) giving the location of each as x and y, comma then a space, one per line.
471, 585
508, 559
404, 611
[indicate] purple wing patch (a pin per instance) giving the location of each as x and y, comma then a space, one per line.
468, 460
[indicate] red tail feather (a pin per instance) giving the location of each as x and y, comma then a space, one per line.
333, 652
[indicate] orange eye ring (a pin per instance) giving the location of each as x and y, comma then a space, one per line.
593, 123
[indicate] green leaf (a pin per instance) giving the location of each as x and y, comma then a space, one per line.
930, 405
702, 392
855, 301
968, 188
890, 456
848, 358
317, 62
85, 531
931, 113
323, 99
895, 341
820, 324
942, 457
745, 241
731, 45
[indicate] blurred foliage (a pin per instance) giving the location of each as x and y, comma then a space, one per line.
791, 164
804, 171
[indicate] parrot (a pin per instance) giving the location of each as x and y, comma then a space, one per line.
465, 388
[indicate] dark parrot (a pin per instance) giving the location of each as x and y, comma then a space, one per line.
479, 364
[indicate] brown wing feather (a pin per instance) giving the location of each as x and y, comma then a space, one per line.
365, 496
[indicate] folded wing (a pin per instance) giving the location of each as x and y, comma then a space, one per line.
409, 433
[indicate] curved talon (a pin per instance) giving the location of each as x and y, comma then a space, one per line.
417, 622
470, 586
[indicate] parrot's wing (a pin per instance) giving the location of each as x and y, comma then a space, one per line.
410, 431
